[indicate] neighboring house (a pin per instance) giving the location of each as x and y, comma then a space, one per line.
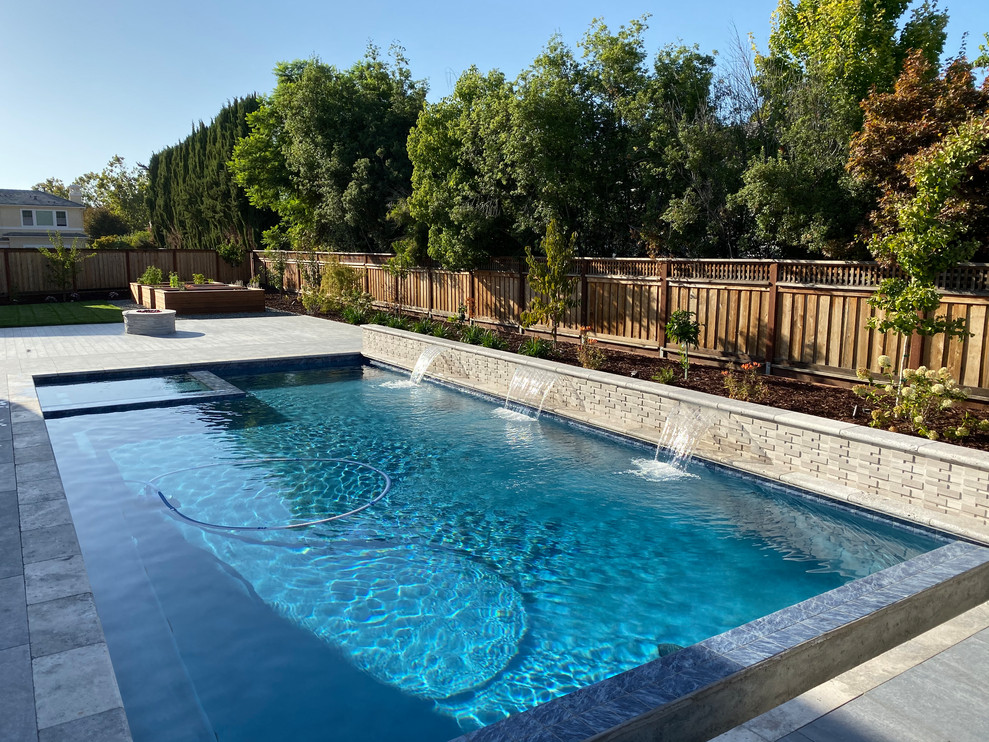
26, 218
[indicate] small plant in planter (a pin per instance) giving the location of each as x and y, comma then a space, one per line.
471, 334
490, 339
199, 279
747, 387
174, 281
664, 376
684, 330
589, 354
535, 347
152, 276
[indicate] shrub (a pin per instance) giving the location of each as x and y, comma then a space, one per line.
589, 354
664, 376
490, 339
424, 326
399, 322
471, 334
919, 404
110, 242
232, 253
141, 240
355, 315
747, 387
313, 300
199, 279
535, 347
152, 276
380, 318
341, 284
174, 281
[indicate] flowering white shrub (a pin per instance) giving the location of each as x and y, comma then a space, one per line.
918, 403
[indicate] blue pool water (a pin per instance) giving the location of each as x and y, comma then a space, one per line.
510, 562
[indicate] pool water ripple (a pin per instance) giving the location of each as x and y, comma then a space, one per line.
511, 562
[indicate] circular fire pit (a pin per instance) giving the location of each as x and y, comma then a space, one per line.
149, 321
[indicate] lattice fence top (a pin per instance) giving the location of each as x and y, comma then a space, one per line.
963, 278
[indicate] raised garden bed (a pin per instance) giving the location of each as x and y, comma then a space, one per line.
199, 299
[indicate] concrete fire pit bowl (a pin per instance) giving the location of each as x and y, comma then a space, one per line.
149, 321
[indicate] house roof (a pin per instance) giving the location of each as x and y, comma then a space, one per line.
13, 197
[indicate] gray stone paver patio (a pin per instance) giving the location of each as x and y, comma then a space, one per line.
55, 678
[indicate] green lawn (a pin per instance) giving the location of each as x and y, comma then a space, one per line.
59, 313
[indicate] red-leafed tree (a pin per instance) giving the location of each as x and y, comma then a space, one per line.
917, 115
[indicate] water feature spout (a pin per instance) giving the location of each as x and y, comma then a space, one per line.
529, 389
426, 358
683, 428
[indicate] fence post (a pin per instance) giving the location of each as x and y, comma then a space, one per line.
521, 292
429, 288
774, 274
6, 270
367, 276
582, 267
664, 275
175, 260
916, 348
216, 264
470, 293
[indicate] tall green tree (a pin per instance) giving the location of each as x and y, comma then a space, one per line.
119, 189
193, 199
327, 152
463, 190
824, 57
920, 111
54, 186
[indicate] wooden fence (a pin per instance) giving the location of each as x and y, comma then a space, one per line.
25, 271
802, 316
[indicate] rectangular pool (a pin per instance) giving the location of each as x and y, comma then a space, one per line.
509, 560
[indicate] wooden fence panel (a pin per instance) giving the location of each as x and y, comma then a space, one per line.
819, 324
496, 296
450, 291
103, 269
29, 273
967, 359
415, 290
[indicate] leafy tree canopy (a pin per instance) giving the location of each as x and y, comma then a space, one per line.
327, 151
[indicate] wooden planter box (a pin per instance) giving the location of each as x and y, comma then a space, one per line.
209, 299
144, 294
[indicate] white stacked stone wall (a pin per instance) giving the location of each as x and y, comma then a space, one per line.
927, 482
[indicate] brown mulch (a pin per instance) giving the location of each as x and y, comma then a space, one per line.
823, 400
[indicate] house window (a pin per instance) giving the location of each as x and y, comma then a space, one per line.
43, 218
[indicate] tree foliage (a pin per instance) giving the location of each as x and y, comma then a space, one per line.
551, 280
116, 189
598, 139
824, 57
909, 123
327, 152
192, 196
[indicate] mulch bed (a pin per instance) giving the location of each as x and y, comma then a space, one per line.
822, 400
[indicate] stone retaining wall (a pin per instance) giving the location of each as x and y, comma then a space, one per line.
928, 482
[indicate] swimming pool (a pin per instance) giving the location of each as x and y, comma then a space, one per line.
511, 560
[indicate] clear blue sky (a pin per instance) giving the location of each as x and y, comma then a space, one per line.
84, 81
